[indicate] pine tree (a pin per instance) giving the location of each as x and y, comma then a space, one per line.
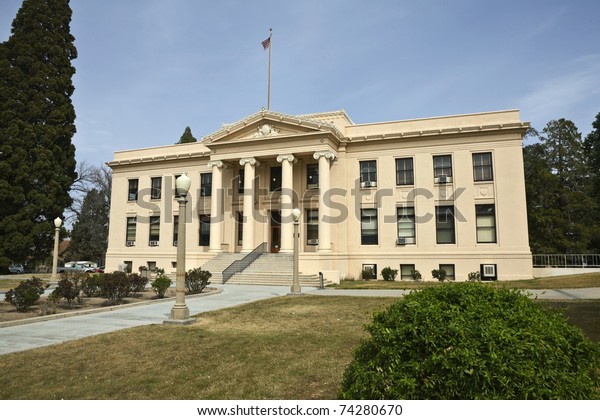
560, 210
89, 237
187, 137
37, 161
591, 147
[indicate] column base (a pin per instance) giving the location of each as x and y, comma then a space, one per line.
295, 294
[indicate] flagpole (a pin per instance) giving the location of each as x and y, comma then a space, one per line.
269, 81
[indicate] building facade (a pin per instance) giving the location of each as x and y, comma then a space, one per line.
434, 193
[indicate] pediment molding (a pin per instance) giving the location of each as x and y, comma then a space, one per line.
268, 124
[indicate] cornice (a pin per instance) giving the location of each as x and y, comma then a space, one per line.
158, 158
521, 126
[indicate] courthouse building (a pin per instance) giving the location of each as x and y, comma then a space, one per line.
433, 193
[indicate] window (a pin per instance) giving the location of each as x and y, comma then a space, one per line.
240, 227
406, 225
131, 228
206, 185
406, 271
312, 226
204, 230
241, 181
275, 178
449, 269
444, 225
175, 229
486, 223
442, 165
369, 272
128, 266
156, 187
404, 171
312, 176
154, 235
368, 172
368, 227
482, 167
151, 265
133, 190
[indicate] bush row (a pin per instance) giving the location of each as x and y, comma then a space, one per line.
390, 274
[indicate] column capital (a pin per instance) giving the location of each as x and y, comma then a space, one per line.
326, 154
217, 163
252, 161
289, 157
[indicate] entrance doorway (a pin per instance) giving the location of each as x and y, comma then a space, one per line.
275, 230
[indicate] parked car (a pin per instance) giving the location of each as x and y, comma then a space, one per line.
16, 268
75, 268
100, 269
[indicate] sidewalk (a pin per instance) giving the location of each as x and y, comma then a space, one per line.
39, 334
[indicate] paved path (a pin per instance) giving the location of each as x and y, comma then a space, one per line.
39, 334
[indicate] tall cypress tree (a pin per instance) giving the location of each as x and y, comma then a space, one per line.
89, 237
187, 136
37, 160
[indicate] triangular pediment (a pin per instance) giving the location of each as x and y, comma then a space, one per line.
267, 124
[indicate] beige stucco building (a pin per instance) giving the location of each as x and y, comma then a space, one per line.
424, 194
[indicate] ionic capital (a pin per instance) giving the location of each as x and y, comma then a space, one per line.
218, 163
326, 154
290, 158
252, 161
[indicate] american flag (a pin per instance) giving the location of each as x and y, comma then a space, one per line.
266, 43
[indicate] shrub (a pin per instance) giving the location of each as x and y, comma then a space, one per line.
474, 276
91, 285
26, 294
389, 274
347, 278
439, 274
416, 275
67, 289
196, 280
160, 285
48, 306
115, 287
368, 274
472, 341
138, 283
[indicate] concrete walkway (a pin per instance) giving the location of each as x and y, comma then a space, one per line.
39, 334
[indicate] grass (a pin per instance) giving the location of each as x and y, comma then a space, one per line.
281, 348
558, 282
11, 281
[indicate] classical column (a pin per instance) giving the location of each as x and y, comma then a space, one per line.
287, 189
324, 185
216, 206
249, 165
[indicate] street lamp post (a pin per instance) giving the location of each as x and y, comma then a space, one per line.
57, 225
296, 290
180, 313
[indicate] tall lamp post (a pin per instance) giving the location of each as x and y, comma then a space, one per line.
57, 225
180, 313
296, 290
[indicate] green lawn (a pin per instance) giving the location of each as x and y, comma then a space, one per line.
281, 348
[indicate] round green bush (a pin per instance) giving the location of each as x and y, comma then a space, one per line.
472, 341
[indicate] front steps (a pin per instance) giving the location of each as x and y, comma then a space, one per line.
266, 270
219, 263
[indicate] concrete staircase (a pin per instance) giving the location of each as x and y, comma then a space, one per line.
219, 263
273, 269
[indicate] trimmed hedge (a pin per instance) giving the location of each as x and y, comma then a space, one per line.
472, 341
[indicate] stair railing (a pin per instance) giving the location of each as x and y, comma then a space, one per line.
240, 265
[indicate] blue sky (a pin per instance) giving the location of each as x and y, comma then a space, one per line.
149, 68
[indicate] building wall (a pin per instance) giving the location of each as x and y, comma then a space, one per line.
498, 133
